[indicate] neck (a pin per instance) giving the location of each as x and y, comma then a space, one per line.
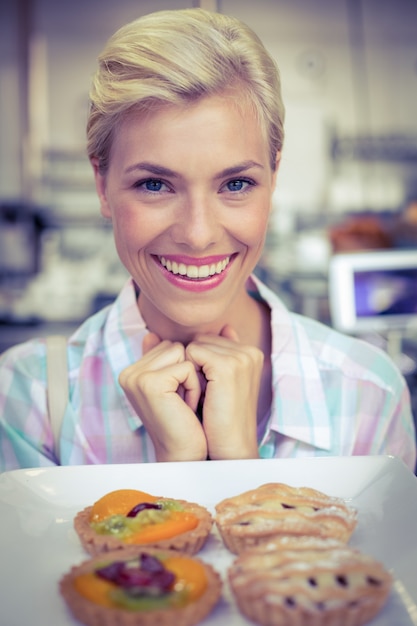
248, 317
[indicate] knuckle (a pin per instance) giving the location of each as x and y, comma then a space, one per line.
252, 357
133, 378
178, 350
148, 382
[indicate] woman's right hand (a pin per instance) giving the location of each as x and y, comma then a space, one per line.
164, 390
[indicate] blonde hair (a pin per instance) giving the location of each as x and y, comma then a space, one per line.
180, 56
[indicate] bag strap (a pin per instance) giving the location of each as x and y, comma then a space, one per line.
57, 384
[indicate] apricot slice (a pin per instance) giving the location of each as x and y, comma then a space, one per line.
118, 502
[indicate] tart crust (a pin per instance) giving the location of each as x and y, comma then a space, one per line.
309, 587
189, 542
276, 510
91, 614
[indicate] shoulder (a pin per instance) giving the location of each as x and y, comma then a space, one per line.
26, 359
354, 356
334, 353
29, 359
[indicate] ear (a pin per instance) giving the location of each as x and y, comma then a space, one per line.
100, 180
277, 163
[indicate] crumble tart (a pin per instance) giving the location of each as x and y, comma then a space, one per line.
147, 588
130, 517
333, 586
276, 509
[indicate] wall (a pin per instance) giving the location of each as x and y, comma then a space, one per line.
348, 68
10, 107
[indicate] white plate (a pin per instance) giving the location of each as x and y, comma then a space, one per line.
38, 543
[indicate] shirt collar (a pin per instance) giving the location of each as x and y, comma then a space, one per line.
299, 408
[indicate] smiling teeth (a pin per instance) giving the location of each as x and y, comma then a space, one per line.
194, 271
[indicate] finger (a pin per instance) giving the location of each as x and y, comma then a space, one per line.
162, 355
226, 335
192, 390
150, 341
229, 333
161, 383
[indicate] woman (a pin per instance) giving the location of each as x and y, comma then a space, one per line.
196, 358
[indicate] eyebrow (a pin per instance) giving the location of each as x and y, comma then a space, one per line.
160, 170
152, 168
239, 168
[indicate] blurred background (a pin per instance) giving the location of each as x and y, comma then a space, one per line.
348, 180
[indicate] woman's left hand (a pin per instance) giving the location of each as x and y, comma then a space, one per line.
233, 374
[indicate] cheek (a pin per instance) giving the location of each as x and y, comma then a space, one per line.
252, 228
135, 230
129, 224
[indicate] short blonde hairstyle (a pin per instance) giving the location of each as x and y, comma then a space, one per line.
180, 56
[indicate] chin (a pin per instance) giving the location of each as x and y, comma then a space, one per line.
199, 320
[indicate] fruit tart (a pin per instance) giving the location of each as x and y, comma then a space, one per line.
277, 510
130, 517
311, 586
145, 588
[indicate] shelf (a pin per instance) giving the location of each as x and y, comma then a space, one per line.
401, 149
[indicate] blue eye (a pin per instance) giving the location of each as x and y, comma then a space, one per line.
153, 184
235, 185
238, 184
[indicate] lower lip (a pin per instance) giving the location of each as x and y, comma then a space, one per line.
195, 285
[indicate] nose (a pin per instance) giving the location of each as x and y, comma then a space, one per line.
198, 224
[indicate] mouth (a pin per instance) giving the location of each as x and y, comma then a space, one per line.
194, 272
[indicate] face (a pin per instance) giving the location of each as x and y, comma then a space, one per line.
188, 190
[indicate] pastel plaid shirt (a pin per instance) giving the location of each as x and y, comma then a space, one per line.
333, 395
